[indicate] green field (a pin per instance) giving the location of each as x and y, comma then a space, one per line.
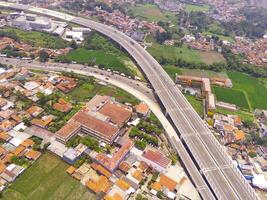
196, 104
47, 179
233, 96
196, 8
253, 87
87, 90
99, 57
172, 71
151, 13
171, 54
37, 39
221, 37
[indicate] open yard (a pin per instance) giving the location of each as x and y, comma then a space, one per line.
47, 179
151, 13
234, 96
37, 39
253, 87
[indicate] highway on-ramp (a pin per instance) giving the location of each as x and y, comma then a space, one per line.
208, 155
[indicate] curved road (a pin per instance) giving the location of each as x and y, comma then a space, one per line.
208, 155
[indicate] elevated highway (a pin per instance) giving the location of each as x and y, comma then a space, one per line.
208, 156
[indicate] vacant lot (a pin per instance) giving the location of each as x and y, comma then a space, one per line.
234, 96
245, 116
47, 179
196, 8
212, 57
253, 87
151, 13
37, 39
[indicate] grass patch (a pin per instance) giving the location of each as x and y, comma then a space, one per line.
151, 13
100, 58
221, 37
172, 71
197, 8
253, 87
203, 73
171, 53
86, 91
196, 103
37, 39
46, 179
234, 96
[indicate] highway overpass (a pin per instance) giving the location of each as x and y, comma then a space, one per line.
206, 153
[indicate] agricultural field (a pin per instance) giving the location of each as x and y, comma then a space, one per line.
37, 39
255, 88
151, 13
47, 179
234, 96
196, 8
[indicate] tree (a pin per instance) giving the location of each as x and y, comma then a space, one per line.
73, 44
26, 121
43, 56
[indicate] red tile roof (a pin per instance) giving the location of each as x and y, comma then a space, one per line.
157, 157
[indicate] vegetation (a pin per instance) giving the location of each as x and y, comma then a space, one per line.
229, 95
98, 50
22, 161
43, 56
150, 13
37, 39
135, 132
46, 179
197, 104
172, 71
196, 8
140, 144
245, 116
253, 87
88, 141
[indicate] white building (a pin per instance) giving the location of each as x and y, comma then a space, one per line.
73, 35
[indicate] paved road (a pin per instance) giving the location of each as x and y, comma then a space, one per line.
209, 156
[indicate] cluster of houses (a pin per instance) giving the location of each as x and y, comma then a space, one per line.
130, 26
254, 51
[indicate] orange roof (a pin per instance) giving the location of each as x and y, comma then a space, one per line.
2, 167
124, 166
34, 110
228, 128
62, 106
143, 166
156, 186
115, 196
138, 175
71, 170
27, 143
18, 150
142, 108
6, 159
100, 185
167, 182
182, 180
122, 184
237, 120
33, 155
4, 136
117, 113
101, 170
239, 135
77, 176
42, 122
